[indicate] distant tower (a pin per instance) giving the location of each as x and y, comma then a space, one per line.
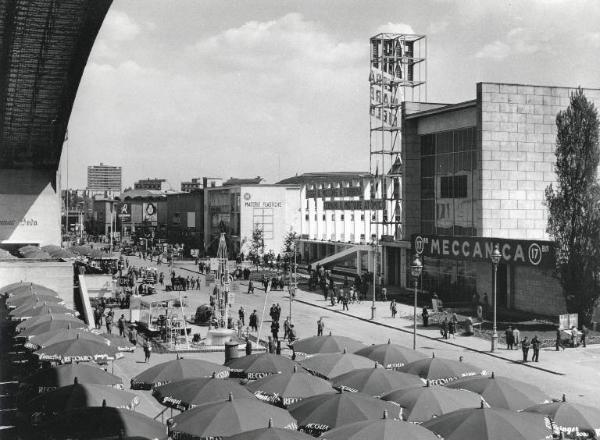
398, 72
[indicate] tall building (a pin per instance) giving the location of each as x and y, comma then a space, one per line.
101, 178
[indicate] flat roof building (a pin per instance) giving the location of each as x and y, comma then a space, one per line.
101, 178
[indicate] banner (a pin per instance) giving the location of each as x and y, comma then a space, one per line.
149, 212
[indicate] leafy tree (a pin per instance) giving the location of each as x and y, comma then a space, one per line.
574, 205
257, 246
289, 246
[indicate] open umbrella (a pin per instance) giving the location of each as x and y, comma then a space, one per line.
259, 365
80, 396
381, 429
439, 371
574, 419
390, 355
78, 350
63, 334
62, 375
318, 414
329, 365
31, 322
14, 302
287, 388
502, 392
188, 393
103, 421
375, 381
47, 325
177, 369
488, 424
229, 417
270, 433
24, 289
38, 309
327, 344
423, 403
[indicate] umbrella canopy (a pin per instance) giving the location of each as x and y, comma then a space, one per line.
423, 403
81, 396
502, 392
50, 324
27, 300
320, 413
19, 289
78, 350
270, 433
99, 422
287, 388
189, 393
439, 371
260, 365
391, 355
31, 322
38, 309
63, 334
570, 418
375, 381
62, 375
382, 429
329, 365
230, 417
488, 424
177, 369
327, 344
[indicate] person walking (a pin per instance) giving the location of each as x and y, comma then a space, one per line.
454, 325
121, 325
444, 329
345, 303
133, 335
109, 321
248, 347
250, 287
147, 350
286, 327
584, 332
271, 345
275, 330
509, 338
516, 338
535, 345
525, 344
393, 308
253, 321
559, 339
242, 315
425, 316
292, 334
320, 327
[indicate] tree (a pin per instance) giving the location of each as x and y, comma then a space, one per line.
258, 243
289, 246
574, 208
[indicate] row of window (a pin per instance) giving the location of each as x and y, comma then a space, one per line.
342, 217
342, 237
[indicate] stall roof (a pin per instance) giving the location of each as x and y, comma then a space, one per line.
159, 297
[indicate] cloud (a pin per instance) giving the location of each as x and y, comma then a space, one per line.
118, 26
395, 28
496, 50
436, 27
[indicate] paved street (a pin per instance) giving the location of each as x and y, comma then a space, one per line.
574, 372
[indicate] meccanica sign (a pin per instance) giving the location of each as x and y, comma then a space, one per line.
524, 252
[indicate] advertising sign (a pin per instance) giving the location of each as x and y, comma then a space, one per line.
125, 211
149, 212
523, 252
194, 252
214, 264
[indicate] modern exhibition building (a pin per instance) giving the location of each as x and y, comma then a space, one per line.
473, 176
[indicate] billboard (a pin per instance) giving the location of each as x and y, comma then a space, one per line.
149, 213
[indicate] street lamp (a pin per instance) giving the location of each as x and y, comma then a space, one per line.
495, 257
416, 268
373, 307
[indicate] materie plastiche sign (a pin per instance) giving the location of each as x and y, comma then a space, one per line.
537, 253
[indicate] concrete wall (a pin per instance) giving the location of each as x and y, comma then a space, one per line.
518, 139
56, 275
30, 207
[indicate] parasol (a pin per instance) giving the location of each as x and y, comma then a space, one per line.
177, 369
327, 344
78, 350
375, 381
439, 371
260, 365
329, 365
390, 355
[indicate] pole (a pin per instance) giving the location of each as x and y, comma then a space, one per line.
415, 317
373, 307
494, 329
111, 228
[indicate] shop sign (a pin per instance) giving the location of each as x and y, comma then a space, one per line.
263, 204
524, 252
125, 211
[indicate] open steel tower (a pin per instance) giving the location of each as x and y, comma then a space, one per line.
398, 73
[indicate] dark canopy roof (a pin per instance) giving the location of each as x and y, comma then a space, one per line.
44, 46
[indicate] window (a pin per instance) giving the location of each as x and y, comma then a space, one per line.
362, 217
342, 217
351, 237
351, 217
262, 218
315, 217
306, 217
453, 187
324, 218
332, 217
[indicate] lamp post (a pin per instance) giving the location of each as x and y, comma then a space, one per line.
495, 257
373, 307
416, 268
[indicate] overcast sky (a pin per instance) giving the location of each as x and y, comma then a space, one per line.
189, 88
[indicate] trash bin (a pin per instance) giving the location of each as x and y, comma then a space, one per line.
231, 351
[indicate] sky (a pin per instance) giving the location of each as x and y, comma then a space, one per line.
177, 89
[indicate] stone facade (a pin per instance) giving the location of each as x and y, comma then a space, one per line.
517, 125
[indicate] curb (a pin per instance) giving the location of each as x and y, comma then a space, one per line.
431, 338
